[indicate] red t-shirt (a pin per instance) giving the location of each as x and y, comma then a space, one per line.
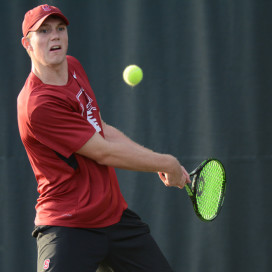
54, 122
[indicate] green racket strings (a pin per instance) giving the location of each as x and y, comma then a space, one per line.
210, 189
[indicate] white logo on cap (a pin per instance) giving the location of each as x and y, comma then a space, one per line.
46, 8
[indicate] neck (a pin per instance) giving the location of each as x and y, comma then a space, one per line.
53, 75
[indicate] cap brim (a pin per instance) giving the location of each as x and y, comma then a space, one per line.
37, 25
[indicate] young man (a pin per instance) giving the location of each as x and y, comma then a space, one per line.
81, 217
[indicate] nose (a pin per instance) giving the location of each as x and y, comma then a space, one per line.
54, 34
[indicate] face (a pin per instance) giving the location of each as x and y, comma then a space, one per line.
49, 44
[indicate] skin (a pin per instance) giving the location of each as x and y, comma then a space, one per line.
116, 149
50, 66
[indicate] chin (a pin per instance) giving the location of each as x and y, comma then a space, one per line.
57, 61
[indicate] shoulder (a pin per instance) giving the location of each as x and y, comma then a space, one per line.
77, 69
71, 59
36, 102
73, 62
36, 94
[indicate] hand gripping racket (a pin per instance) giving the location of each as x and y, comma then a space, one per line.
207, 189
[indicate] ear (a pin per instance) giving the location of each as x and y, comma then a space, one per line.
26, 43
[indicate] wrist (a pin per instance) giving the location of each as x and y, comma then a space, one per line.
172, 164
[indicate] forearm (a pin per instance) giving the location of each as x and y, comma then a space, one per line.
131, 156
112, 134
135, 156
126, 154
118, 151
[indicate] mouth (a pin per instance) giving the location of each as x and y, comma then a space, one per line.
55, 48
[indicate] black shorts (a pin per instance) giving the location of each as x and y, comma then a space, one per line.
126, 247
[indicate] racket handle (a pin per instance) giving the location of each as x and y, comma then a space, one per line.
188, 189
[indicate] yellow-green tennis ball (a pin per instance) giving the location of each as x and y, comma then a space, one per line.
133, 75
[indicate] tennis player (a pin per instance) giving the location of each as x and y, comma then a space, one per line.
81, 218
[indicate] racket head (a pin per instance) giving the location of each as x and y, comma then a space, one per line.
208, 189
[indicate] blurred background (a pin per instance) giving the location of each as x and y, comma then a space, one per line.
206, 92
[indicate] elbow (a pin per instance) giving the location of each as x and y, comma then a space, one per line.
102, 158
97, 149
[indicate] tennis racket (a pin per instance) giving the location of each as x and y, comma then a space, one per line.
207, 189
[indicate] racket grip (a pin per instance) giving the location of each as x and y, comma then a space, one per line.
188, 189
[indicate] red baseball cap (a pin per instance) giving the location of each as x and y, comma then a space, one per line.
35, 17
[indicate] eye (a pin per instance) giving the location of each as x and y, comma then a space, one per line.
43, 30
61, 28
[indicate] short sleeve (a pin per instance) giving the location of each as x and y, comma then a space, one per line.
56, 125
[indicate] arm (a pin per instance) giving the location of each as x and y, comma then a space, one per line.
117, 150
114, 135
